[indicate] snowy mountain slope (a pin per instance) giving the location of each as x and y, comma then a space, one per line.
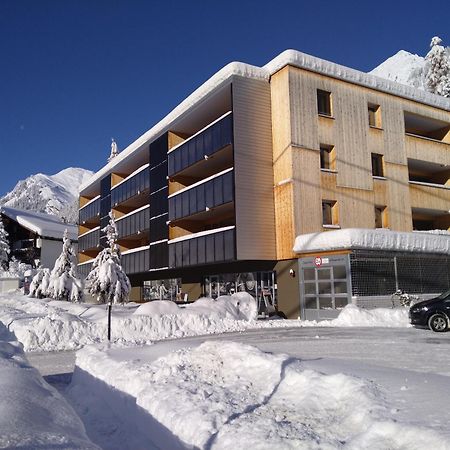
53, 194
403, 67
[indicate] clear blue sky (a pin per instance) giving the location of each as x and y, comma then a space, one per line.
73, 74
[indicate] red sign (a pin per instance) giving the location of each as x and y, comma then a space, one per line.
317, 261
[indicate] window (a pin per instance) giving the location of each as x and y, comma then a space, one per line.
380, 217
327, 157
374, 115
329, 212
377, 165
324, 102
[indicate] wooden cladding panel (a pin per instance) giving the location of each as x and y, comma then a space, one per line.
399, 206
255, 215
307, 193
428, 197
427, 150
284, 214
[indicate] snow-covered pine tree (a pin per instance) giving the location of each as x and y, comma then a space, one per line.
64, 282
438, 69
39, 283
107, 279
4, 246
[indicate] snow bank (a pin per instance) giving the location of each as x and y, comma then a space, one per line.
223, 394
361, 238
42, 325
33, 414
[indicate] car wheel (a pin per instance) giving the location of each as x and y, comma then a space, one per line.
438, 323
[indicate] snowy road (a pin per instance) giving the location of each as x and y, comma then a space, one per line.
410, 366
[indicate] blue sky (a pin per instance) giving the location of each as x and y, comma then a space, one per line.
73, 74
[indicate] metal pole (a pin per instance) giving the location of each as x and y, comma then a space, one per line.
109, 320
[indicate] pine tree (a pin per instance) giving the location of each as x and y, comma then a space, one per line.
438, 73
39, 283
4, 246
64, 281
107, 279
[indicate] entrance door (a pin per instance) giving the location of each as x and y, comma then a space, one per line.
325, 286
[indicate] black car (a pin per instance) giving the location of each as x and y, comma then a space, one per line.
433, 313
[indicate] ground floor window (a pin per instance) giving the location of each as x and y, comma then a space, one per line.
168, 289
261, 285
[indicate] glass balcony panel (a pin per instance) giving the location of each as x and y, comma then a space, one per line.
208, 142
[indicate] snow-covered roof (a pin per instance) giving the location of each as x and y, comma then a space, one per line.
45, 225
288, 57
379, 239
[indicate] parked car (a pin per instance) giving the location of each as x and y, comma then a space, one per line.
433, 313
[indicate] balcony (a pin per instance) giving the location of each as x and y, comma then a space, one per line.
89, 240
202, 197
207, 247
211, 146
136, 260
90, 212
134, 223
129, 192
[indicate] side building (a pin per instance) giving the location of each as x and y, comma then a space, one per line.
211, 199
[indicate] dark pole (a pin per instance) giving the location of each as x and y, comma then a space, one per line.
109, 320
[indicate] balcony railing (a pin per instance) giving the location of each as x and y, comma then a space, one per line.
84, 268
134, 223
131, 187
202, 145
203, 248
90, 211
89, 240
207, 194
136, 260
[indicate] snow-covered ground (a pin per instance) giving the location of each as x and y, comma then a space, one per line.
32, 414
49, 325
345, 383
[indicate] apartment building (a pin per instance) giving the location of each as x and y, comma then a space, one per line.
211, 199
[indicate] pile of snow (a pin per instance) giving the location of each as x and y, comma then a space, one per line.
352, 316
238, 306
44, 325
52, 194
223, 394
379, 239
33, 414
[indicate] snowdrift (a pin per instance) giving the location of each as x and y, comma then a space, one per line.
43, 325
222, 393
34, 415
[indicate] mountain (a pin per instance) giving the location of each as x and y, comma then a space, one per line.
403, 67
53, 194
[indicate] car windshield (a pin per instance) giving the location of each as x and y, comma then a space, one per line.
444, 295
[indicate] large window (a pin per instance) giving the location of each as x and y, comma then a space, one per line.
377, 165
324, 102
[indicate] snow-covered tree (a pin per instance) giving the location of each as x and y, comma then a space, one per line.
64, 281
107, 279
39, 283
17, 269
4, 246
438, 69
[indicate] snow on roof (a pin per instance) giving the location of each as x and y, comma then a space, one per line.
45, 225
288, 57
380, 239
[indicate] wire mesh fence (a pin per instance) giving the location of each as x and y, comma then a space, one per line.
377, 273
